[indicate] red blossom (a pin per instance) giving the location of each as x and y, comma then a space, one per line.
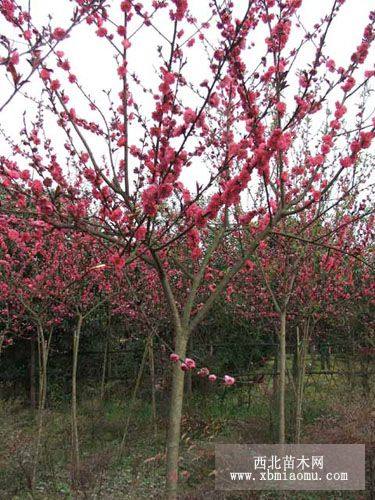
59, 34
229, 380
45, 74
189, 116
174, 357
348, 85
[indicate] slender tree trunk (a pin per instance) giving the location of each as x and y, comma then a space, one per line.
152, 380
74, 423
175, 413
32, 375
300, 380
282, 369
104, 368
2, 338
43, 350
189, 385
109, 363
135, 392
189, 378
273, 399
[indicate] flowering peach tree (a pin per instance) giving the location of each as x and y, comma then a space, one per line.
246, 121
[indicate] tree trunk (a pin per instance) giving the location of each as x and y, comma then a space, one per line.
32, 375
152, 380
104, 368
189, 378
109, 363
43, 350
282, 369
74, 423
134, 396
189, 385
2, 338
273, 398
301, 350
175, 413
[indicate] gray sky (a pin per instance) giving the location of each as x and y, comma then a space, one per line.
92, 57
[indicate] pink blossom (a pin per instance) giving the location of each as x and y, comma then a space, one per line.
116, 214
295, 4
366, 139
55, 85
349, 84
37, 187
284, 178
84, 157
14, 57
281, 107
13, 234
25, 175
13, 174
280, 34
102, 32
196, 253
340, 110
214, 100
140, 233
190, 363
150, 200
59, 34
189, 116
121, 71
169, 78
174, 357
331, 65
45, 74
229, 380
212, 378
203, 372
126, 6
121, 142
65, 65
182, 6
117, 261
164, 191
355, 147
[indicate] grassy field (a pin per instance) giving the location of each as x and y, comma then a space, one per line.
225, 416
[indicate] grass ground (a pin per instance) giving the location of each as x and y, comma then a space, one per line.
331, 414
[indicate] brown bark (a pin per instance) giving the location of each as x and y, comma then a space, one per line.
174, 429
105, 365
282, 370
2, 338
152, 380
301, 351
274, 397
32, 375
135, 392
74, 421
43, 351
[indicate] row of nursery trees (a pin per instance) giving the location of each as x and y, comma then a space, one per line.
247, 178
58, 282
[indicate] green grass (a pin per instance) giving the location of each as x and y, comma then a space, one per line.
226, 415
